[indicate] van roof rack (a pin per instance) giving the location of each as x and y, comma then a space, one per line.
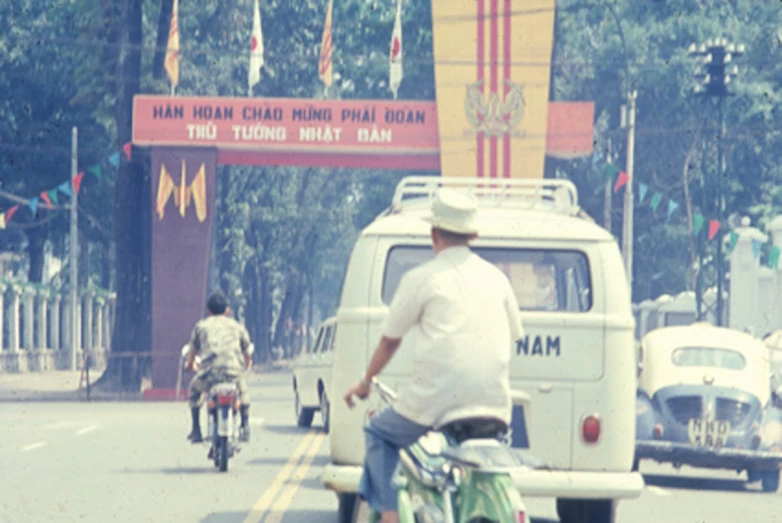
558, 196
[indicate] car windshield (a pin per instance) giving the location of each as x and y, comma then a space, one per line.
543, 279
708, 357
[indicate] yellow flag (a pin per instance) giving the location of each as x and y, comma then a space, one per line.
172, 49
324, 65
493, 116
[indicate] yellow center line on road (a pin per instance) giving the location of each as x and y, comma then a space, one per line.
285, 499
263, 504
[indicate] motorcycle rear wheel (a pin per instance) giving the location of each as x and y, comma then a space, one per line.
221, 453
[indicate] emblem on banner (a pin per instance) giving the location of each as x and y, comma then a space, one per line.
492, 116
182, 193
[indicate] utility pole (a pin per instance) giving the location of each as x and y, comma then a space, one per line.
627, 223
716, 55
74, 250
608, 191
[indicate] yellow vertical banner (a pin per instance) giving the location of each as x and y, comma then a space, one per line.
492, 73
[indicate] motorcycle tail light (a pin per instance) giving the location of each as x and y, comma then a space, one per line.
225, 399
590, 428
658, 431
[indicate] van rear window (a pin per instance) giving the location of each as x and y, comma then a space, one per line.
544, 280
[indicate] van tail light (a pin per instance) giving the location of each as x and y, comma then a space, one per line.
590, 428
658, 431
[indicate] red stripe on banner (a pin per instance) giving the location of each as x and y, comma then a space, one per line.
493, 54
506, 74
479, 61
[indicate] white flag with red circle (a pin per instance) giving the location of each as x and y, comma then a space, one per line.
256, 48
395, 56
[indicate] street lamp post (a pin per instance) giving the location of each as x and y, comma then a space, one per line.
716, 55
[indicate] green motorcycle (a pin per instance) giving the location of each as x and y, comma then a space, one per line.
459, 473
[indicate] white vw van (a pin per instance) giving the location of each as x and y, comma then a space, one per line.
577, 361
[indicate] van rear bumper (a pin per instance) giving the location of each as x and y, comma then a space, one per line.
531, 483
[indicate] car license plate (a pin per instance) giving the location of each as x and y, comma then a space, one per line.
708, 433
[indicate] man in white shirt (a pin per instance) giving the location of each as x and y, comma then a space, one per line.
463, 318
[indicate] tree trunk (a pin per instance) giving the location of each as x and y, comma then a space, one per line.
265, 318
36, 240
132, 329
163, 25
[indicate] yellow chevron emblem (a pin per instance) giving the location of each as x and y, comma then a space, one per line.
182, 193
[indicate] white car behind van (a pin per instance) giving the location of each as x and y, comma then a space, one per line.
577, 361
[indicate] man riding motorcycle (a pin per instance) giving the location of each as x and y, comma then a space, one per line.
224, 347
462, 316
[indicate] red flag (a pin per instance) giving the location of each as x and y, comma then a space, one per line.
621, 180
126, 150
324, 65
77, 182
714, 226
10, 212
45, 198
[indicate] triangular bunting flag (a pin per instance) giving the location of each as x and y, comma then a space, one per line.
95, 170
714, 227
126, 150
45, 197
621, 180
642, 190
65, 188
10, 212
609, 171
32, 203
733, 239
657, 198
53, 196
697, 223
672, 206
756, 248
77, 182
773, 257
114, 160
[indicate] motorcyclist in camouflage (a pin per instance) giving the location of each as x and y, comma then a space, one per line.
224, 347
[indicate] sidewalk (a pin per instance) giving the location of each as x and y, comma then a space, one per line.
55, 385
60, 385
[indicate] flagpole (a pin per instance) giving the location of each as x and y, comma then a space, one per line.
74, 247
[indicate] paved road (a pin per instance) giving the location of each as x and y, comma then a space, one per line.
130, 462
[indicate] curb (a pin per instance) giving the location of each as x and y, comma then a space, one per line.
80, 395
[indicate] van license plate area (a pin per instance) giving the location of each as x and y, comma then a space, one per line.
708, 433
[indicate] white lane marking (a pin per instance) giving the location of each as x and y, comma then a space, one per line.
60, 425
32, 446
85, 430
659, 491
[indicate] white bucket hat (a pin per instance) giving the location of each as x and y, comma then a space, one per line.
454, 211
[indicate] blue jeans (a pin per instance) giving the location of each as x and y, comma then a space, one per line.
386, 434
